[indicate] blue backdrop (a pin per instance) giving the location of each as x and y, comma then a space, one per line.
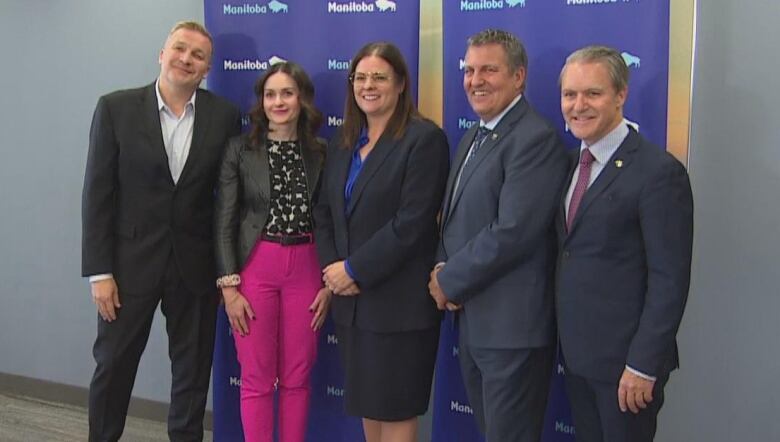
321, 36
550, 30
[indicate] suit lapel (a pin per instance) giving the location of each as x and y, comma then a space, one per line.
622, 156
257, 167
460, 156
574, 156
311, 163
339, 180
495, 138
199, 129
372, 164
153, 130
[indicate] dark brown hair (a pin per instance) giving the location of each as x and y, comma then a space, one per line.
355, 119
310, 118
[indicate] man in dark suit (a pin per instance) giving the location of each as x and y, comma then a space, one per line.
147, 209
625, 231
497, 250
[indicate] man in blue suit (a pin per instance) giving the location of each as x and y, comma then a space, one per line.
625, 232
497, 250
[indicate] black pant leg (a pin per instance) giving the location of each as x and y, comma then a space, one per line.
584, 409
117, 351
191, 326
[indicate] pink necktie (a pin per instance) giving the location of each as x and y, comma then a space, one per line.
586, 159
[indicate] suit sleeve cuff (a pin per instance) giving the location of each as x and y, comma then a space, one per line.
640, 374
100, 277
348, 268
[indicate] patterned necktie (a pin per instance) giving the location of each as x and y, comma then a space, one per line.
583, 179
479, 140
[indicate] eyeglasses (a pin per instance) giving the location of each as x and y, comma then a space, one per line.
361, 78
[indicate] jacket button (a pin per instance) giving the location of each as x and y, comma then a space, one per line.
566, 254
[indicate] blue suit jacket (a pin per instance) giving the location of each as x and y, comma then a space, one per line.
388, 231
624, 267
498, 236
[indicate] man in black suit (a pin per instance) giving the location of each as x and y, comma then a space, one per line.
497, 250
147, 209
625, 233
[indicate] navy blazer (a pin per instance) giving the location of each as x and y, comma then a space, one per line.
498, 236
624, 268
133, 215
389, 231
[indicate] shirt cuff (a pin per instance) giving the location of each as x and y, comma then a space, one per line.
348, 268
439, 265
640, 374
100, 277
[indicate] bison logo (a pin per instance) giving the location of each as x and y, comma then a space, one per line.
631, 60
276, 6
385, 5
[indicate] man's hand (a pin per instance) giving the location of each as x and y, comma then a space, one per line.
336, 278
634, 392
238, 310
437, 293
105, 295
320, 308
351, 290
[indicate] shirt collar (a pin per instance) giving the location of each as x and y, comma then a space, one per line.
604, 148
494, 122
161, 105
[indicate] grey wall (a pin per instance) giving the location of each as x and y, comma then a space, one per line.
727, 388
58, 57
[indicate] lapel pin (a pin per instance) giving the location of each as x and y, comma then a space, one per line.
618, 163
495, 135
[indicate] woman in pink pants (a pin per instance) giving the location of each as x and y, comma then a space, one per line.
270, 277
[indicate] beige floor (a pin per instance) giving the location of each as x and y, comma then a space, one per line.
24, 419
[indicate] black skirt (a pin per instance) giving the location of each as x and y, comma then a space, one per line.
387, 376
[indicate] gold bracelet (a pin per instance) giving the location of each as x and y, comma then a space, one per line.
232, 280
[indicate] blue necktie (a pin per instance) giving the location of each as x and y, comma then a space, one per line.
479, 140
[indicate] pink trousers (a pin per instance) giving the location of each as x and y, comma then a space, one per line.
280, 283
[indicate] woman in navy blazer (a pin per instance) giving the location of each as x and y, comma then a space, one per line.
376, 231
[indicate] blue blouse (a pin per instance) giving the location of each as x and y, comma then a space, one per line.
354, 171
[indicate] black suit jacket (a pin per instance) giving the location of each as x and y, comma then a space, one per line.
388, 232
498, 237
133, 215
624, 268
244, 198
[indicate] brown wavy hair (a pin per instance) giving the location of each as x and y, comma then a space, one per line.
355, 119
309, 119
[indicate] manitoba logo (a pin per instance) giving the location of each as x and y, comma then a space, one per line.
631, 60
250, 64
589, 2
274, 6
487, 5
361, 6
465, 123
338, 65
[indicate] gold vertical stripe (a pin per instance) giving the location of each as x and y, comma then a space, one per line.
681, 41
430, 80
